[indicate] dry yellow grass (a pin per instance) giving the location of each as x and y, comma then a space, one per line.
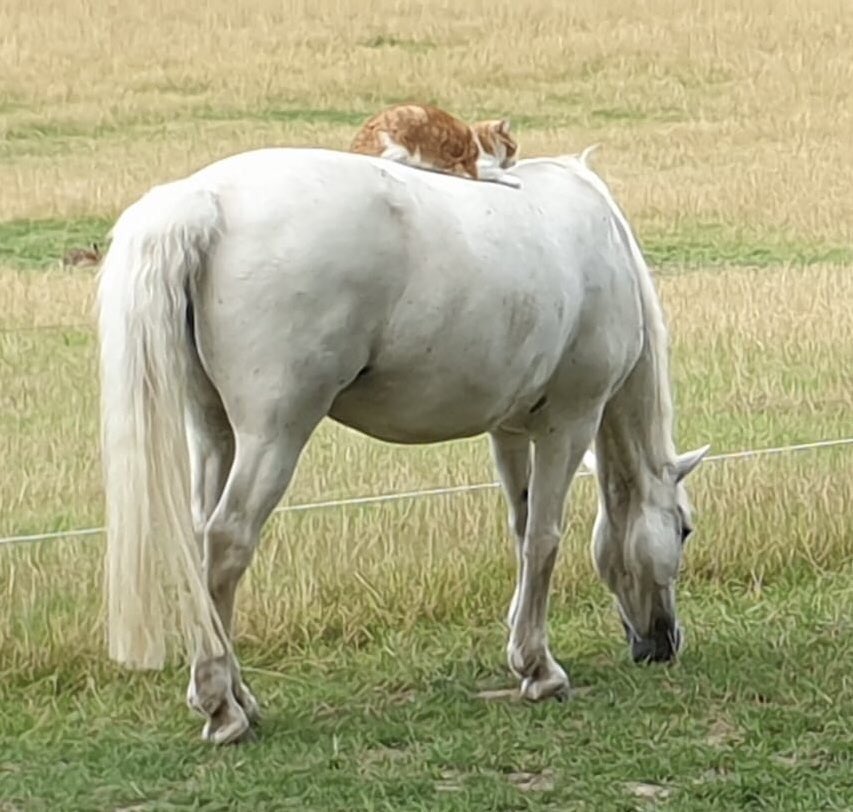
729, 112
732, 110
772, 366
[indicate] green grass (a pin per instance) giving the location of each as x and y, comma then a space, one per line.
39, 243
754, 716
709, 245
38, 138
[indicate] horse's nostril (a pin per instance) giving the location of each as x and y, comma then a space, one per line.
645, 651
661, 647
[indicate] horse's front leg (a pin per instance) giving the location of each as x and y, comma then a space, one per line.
511, 453
556, 457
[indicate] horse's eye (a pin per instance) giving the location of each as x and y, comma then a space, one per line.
685, 526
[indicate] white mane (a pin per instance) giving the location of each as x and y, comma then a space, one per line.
656, 337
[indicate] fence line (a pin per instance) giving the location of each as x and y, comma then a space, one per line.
426, 492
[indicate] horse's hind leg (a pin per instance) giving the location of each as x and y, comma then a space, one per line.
211, 452
266, 453
211, 448
511, 453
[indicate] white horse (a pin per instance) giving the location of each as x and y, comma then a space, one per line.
240, 306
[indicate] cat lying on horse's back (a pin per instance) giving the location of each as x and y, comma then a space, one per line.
429, 138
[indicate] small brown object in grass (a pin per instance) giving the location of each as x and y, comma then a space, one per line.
83, 257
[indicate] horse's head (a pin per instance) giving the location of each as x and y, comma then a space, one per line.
639, 534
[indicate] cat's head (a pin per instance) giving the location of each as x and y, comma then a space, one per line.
496, 139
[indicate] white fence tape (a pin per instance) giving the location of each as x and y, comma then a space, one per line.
418, 494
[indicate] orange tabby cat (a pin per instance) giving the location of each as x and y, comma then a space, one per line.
429, 138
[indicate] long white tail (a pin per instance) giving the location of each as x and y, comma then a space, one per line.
153, 567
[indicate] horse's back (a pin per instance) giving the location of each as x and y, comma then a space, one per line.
440, 305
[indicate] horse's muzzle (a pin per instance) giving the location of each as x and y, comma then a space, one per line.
662, 646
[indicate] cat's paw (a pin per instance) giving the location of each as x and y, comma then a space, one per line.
509, 180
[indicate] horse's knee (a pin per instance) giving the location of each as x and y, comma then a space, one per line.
540, 548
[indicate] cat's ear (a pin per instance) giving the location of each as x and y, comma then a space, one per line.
504, 126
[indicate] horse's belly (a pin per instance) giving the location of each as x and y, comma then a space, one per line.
431, 400
456, 366
394, 421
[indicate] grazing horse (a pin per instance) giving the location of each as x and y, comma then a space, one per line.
241, 305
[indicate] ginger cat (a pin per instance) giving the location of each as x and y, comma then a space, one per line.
429, 138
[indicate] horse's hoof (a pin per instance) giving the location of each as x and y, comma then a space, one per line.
248, 702
554, 685
228, 725
247, 736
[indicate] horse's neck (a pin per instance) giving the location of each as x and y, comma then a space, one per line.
634, 442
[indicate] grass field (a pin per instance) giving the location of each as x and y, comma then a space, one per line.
373, 634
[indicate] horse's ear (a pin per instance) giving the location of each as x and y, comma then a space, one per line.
687, 462
590, 462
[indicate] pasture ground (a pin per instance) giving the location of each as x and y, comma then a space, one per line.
370, 631
755, 716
